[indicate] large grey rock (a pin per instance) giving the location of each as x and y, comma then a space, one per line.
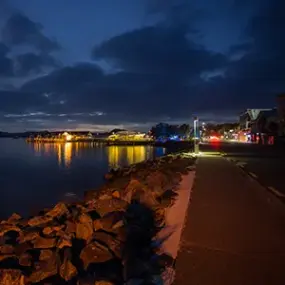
39, 220
41, 242
110, 242
156, 181
6, 249
104, 207
14, 219
27, 236
120, 233
59, 210
46, 254
133, 186
4, 228
140, 192
109, 221
67, 270
146, 197
25, 259
65, 241
44, 269
11, 277
48, 231
22, 247
95, 253
84, 227
70, 227
7, 256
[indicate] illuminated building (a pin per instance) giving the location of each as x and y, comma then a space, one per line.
257, 123
128, 136
281, 113
67, 136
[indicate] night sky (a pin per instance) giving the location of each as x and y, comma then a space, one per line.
100, 64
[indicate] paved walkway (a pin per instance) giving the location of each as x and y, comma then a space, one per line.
235, 230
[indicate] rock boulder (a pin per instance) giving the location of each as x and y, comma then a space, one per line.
84, 227
95, 253
11, 277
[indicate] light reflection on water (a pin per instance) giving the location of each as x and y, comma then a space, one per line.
117, 155
64, 151
131, 155
37, 175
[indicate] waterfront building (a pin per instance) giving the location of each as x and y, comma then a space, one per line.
257, 124
128, 136
281, 113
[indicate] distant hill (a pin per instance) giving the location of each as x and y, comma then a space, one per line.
4, 134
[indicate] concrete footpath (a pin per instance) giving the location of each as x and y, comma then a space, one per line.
234, 232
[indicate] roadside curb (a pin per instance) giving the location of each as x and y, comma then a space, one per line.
170, 237
252, 175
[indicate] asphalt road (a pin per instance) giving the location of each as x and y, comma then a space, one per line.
265, 163
234, 232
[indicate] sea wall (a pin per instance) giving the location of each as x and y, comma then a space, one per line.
109, 238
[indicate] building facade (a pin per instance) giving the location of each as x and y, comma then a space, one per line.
256, 124
281, 113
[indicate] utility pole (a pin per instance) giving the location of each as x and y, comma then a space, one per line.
196, 135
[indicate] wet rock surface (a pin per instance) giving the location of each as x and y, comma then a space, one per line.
106, 239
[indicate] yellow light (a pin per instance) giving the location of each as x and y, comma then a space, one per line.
68, 137
114, 155
67, 154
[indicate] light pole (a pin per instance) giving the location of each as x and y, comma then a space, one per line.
196, 135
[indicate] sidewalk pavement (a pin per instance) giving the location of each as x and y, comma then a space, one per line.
234, 232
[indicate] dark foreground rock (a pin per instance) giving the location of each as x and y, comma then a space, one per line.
106, 239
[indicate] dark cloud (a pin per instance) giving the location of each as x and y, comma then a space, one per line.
4, 8
6, 65
25, 51
164, 75
159, 6
26, 64
175, 12
20, 30
267, 29
3, 49
18, 101
158, 50
30, 63
256, 78
73, 79
241, 48
123, 96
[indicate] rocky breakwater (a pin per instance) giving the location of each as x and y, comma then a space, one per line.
109, 238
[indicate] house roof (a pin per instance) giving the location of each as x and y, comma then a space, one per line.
268, 113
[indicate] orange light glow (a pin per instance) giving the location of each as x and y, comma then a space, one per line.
129, 155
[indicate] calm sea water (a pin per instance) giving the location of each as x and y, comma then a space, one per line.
34, 176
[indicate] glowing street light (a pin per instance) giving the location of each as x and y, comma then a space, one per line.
196, 135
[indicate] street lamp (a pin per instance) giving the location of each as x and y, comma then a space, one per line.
196, 135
